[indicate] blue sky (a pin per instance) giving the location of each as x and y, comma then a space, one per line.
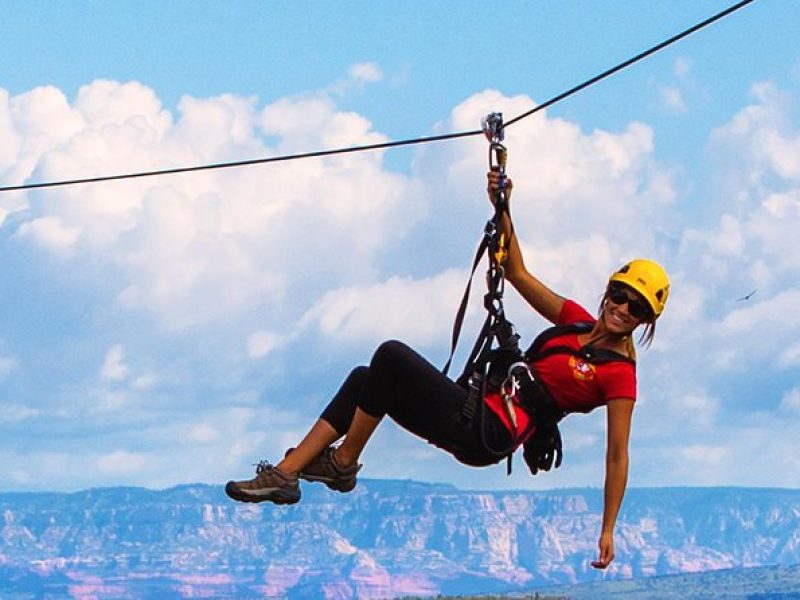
179, 329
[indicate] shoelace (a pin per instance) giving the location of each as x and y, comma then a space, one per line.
262, 466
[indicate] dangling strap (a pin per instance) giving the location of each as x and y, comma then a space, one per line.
462, 308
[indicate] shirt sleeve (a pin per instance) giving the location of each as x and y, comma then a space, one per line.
618, 381
572, 312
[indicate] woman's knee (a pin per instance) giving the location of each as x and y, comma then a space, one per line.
339, 411
387, 353
358, 375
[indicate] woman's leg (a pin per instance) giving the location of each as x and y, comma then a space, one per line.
320, 436
402, 384
399, 382
334, 422
361, 429
422, 400
279, 484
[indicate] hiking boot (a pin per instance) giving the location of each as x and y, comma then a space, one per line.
325, 469
269, 485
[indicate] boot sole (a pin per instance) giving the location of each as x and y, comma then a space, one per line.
276, 497
329, 483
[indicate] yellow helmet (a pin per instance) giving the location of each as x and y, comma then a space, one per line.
648, 278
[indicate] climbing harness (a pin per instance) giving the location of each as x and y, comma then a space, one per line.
495, 362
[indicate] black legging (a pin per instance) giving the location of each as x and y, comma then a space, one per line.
420, 398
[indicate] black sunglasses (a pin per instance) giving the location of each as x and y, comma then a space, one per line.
636, 308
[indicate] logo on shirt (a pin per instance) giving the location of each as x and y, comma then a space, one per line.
581, 370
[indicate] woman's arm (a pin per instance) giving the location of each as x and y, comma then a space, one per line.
543, 300
619, 413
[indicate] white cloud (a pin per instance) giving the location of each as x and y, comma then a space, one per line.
676, 96
702, 408
760, 140
51, 233
368, 72
193, 249
417, 311
673, 100
767, 315
144, 381
790, 357
728, 240
703, 456
16, 413
31, 124
202, 433
683, 66
568, 183
791, 400
8, 364
121, 462
261, 343
114, 368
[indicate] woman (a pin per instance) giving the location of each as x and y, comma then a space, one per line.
402, 384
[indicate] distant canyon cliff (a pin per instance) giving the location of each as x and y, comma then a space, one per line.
385, 539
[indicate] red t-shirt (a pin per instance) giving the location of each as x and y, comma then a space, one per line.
575, 384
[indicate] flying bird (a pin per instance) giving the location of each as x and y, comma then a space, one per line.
747, 297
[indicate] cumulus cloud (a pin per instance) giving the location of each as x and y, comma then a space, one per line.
191, 249
51, 233
751, 246
717, 338
767, 315
759, 142
418, 311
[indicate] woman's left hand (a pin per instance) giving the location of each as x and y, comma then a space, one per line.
606, 545
493, 185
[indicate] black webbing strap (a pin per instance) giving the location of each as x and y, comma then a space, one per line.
462, 308
588, 352
495, 317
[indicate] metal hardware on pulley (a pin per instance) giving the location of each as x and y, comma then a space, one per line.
492, 125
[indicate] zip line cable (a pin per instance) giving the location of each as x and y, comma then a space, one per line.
242, 163
630, 61
393, 144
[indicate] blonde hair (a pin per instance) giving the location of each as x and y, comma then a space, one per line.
645, 339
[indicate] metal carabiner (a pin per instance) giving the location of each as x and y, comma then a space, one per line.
508, 392
492, 125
